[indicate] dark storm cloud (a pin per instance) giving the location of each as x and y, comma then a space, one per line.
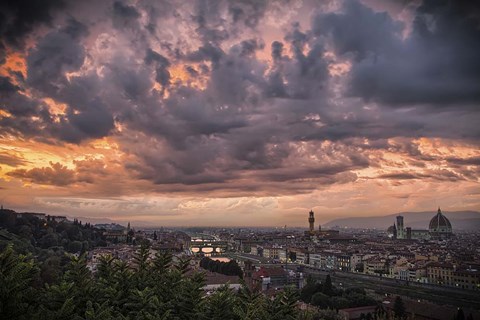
20, 109
124, 16
56, 174
157, 10
305, 74
94, 121
327, 172
210, 25
440, 175
12, 160
207, 52
471, 161
197, 164
437, 63
162, 64
400, 176
19, 17
6, 86
359, 30
218, 21
85, 171
58, 52
237, 117
3, 54
250, 12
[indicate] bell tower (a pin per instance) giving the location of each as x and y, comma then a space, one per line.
311, 221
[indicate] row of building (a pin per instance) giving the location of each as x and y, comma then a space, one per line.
405, 256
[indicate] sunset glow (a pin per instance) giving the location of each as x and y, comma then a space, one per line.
239, 112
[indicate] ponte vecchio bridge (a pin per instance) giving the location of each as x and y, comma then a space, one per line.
208, 246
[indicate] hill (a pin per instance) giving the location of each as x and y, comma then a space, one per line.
460, 220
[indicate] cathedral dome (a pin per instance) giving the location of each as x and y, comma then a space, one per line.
440, 224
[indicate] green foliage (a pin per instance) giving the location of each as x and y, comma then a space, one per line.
460, 314
327, 286
328, 314
230, 268
46, 234
311, 287
252, 305
17, 273
284, 305
327, 296
321, 300
144, 289
399, 308
222, 305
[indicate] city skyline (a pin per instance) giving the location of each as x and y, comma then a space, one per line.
239, 113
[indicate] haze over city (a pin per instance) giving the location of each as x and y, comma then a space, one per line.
247, 113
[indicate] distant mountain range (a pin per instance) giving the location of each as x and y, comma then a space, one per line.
460, 220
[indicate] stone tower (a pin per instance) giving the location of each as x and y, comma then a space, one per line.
400, 228
311, 221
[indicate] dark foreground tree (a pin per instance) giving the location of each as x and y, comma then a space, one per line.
460, 314
327, 286
145, 289
17, 296
399, 308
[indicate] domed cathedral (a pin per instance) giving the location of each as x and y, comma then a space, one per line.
440, 227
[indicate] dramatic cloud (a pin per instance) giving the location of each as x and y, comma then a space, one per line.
12, 160
56, 174
435, 64
19, 17
208, 101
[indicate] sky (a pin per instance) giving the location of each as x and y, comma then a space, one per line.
239, 113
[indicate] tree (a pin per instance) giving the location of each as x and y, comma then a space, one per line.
51, 269
166, 291
16, 277
75, 246
338, 303
221, 305
78, 274
399, 308
96, 311
49, 240
251, 306
230, 268
311, 287
327, 286
320, 300
328, 315
460, 314
284, 305
188, 298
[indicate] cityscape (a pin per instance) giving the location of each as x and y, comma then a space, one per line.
239, 160
435, 271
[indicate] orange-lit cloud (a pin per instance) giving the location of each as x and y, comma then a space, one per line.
244, 111
14, 62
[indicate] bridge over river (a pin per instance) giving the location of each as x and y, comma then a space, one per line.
208, 246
